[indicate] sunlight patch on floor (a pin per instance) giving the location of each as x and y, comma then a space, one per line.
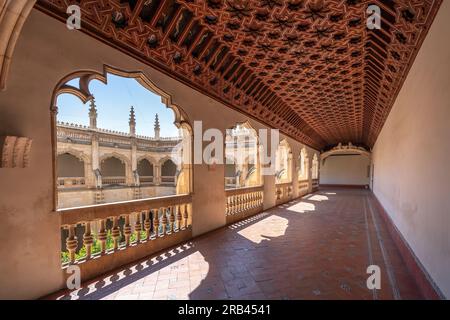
318, 197
302, 207
265, 229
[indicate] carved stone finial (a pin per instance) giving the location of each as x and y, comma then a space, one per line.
132, 122
93, 115
15, 152
157, 127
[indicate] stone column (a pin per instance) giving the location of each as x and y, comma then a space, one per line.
134, 177
309, 173
268, 179
157, 174
296, 168
95, 158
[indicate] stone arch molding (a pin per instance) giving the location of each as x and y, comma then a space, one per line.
253, 132
345, 149
13, 14
150, 159
116, 155
303, 162
80, 155
165, 159
84, 94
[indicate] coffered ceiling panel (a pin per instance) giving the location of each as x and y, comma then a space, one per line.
311, 68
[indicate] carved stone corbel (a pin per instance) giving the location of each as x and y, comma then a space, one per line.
15, 152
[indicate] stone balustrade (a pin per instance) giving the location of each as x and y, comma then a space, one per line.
71, 182
100, 236
168, 180
283, 192
113, 180
243, 202
303, 187
146, 179
315, 185
230, 181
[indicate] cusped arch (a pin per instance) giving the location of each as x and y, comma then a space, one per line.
247, 125
283, 144
80, 155
165, 159
84, 94
348, 149
149, 158
303, 163
116, 155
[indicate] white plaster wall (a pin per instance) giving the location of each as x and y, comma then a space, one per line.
345, 170
412, 154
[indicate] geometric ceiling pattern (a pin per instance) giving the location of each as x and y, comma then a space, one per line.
311, 68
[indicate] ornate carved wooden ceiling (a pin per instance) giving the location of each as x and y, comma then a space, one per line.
309, 67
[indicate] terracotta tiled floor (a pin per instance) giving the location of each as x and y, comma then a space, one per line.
318, 247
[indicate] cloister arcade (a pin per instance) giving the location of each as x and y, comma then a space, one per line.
319, 177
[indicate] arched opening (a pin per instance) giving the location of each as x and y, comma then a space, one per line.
168, 172
315, 168
70, 171
92, 115
283, 163
145, 171
113, 171
230, 173
242, 166
303, 165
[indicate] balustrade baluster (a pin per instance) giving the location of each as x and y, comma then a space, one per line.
147, 224
102, 236
138, 227
127, 230
156, 222
72, 243
233, 205
115, 232
164, 222
179, 218
88, 239
171, 219
186, 216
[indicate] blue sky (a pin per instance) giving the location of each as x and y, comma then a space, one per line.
113, 107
